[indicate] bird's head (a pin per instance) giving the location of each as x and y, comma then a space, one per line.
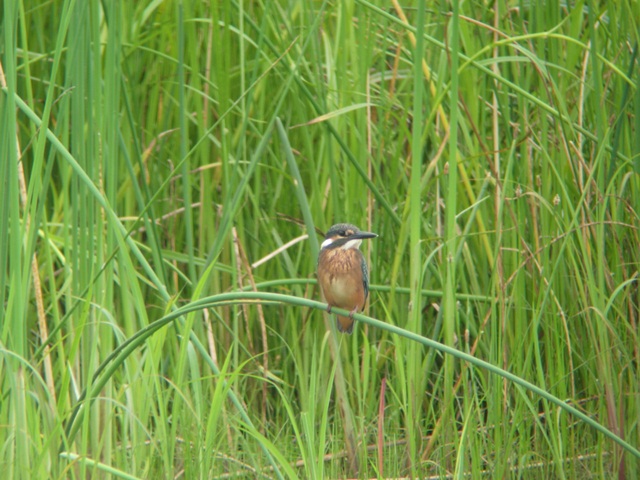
345, 235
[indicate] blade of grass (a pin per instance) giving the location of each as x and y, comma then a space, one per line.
115, 360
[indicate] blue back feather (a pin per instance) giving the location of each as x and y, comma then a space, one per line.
365, 276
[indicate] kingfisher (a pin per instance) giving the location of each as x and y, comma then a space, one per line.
342, 271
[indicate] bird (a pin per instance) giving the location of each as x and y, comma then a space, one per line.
343, 273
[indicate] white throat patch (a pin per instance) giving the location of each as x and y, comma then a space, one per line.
352, 244
355, 243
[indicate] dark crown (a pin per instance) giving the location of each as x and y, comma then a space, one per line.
342, 230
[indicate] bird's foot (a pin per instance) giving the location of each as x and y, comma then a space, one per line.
355, 309
328, 308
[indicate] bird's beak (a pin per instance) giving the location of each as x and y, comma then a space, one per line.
363, 235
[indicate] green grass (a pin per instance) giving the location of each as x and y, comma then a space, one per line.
162, 163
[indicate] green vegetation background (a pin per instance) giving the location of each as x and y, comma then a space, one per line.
160, 158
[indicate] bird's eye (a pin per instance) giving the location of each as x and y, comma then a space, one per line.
342, 233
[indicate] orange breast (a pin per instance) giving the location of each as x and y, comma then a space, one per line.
340, 277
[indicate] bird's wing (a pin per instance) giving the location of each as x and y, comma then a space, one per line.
365, 278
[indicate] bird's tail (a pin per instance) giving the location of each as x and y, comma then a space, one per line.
345, 324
